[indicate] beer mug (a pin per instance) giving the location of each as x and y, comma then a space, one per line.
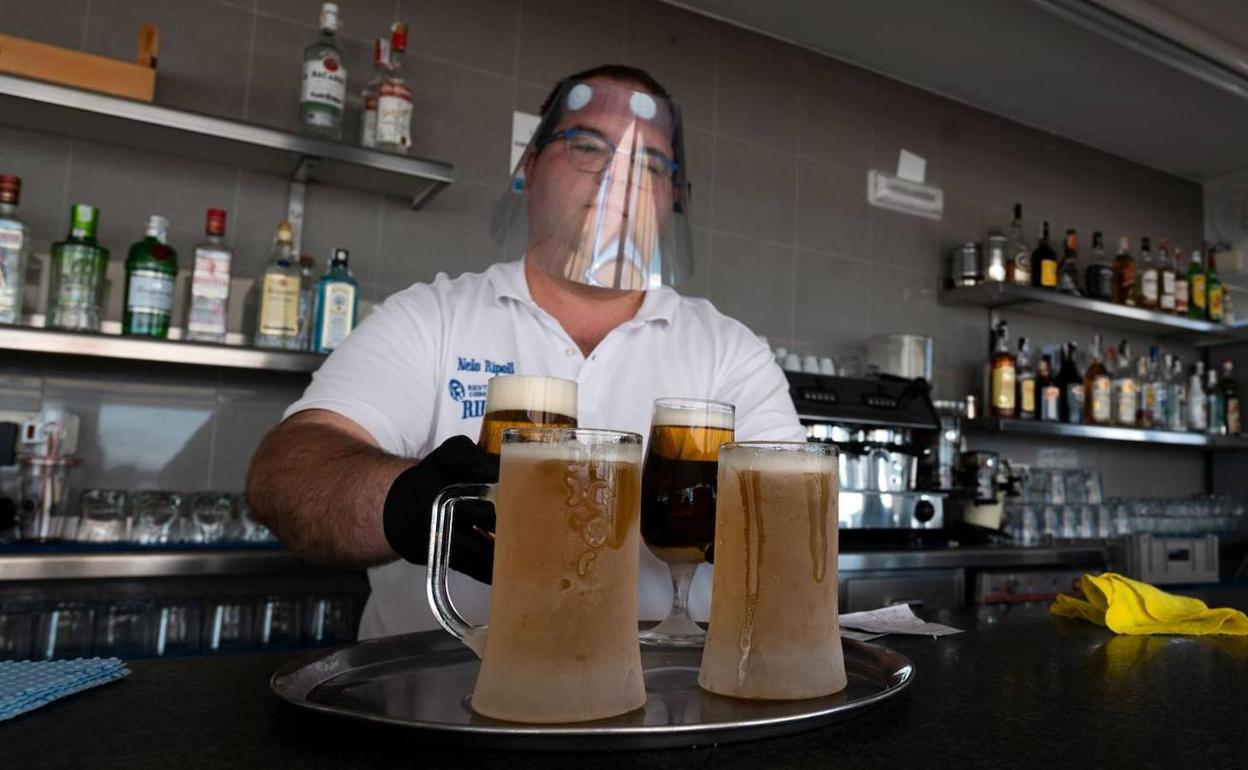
520, 401
774, 631
678, 501
561, 645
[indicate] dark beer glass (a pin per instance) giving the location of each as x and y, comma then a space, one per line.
678, 500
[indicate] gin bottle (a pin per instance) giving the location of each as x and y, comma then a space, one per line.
278, 323
151, 273
76, 286
337, 304
206, 317
14, 250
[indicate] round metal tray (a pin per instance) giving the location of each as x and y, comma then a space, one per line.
424, 681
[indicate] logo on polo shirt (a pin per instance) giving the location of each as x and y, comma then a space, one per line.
488, 366
470, 396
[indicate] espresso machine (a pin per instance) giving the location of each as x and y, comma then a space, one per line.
886, 429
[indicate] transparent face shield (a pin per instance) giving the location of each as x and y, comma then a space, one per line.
599, 196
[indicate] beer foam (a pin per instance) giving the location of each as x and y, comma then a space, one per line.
774, 461
693, 418
525, 393
537, 451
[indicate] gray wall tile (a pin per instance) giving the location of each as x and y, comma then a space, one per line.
754, 191
752, 281
1027, 159
832, 210
192, 35
700, 165
905, 241
832, 303
42, 161
450, 235
682, 60
699, 284
482, 34
361, 19
55, 22
834, 114
464, 118
756, 89
560, 37
901, 122
969, 150
346, 219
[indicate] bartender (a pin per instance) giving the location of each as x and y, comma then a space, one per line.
595, 225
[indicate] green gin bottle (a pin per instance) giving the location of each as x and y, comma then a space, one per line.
76, 286
151, 272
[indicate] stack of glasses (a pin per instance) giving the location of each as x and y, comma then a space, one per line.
160, 518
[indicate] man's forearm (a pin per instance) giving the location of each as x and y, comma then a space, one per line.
322, 491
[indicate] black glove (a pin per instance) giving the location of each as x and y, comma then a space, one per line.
409, 507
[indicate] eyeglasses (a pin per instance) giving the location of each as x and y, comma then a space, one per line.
591, 153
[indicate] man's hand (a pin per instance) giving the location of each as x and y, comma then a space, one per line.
409, 507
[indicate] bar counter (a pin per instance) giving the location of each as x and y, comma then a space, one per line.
1017, 689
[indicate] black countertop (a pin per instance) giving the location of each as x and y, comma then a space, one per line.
1019, 688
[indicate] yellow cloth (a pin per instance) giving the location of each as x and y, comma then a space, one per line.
1128, 606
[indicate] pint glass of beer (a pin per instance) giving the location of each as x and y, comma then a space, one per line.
678, 500
562, 644
520, 401
774, 632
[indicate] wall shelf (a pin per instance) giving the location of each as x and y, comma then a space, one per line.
111, 562
1054, 304
92, 345
1104, 433
44, 107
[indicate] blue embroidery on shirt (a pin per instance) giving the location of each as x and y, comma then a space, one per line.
457, 390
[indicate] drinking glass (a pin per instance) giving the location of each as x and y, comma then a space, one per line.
525, 401
228, 627
65, 630
278, 618
774, 631
210, 512
562, 643
17, 632
154, 516
678, 486
122, 630
327, 620
102, 516
175, 628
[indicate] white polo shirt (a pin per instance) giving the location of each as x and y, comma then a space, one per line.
414, 374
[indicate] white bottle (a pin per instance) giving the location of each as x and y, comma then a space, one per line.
1197, 417
368, 97
394, 100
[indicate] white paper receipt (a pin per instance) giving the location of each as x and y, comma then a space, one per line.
898, 619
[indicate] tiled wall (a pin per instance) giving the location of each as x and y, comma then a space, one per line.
779, 143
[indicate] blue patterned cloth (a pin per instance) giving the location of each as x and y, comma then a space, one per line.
29, 684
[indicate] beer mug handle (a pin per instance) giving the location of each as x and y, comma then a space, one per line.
437, 575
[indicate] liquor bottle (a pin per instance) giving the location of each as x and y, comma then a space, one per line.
394, 102
1068, 268
1178, 396
1099, 276
1213, 287
1217, 406
307, 300
1097, 389
14, 250
368, 96
1165, 277
79, 263
1159, 366
1050, 393
1144, 376
1044, 262
1230, 398
1025, 403
324, 93
1126, 388
1003, 375
1148, 286
206, 315
1197, 306
1182, 288
278, 322
151, 273
1124, 274
337, 304
1070, 383
1019, 266
1197, 404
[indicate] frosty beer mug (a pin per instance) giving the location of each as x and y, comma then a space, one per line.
523, 401
562, 642
773, 628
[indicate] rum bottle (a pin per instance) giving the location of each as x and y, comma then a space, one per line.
1003, 375
1097, 389
1124, 274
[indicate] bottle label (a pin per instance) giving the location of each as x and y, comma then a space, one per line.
210, 293
337, 315
11, 239
1027, 396
1167, 299
1215, 303
150, 292
1180, 295
279, 306
368, 122
1049, 400
1074, 402
1148, 287
1197, 291
1048, 273
394, 115
1233, 424
1127, 402
1101, 410
325, 82
1003, 389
